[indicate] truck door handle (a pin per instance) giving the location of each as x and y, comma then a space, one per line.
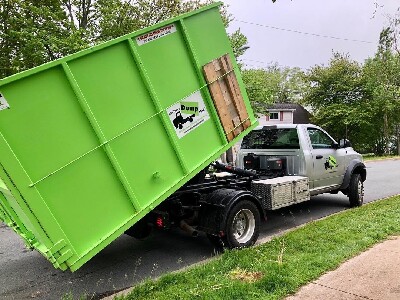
319, 157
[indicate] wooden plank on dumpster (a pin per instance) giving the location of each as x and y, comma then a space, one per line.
235, 91
226, 95
212, 72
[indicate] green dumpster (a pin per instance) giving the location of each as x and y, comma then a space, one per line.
92, 142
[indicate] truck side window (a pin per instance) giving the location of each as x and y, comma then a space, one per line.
272, 138
319, 140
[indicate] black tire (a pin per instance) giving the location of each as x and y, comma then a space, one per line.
356, 191
242, 225
140, 230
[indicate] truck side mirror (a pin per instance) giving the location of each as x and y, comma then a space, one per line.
344, 143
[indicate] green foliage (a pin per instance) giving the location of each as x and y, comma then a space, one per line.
273, 84
372, 157
359, 102
261, 87
33, 32
285, 263
383, 82
339, 99
238, 43
116, 17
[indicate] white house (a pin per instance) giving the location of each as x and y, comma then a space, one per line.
285, 113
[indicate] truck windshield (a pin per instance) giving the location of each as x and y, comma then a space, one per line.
272, 138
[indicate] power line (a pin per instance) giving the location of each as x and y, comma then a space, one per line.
258, 61
264, 65
303, 32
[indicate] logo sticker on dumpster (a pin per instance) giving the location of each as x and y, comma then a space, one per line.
155, 34
3, 102
188, 114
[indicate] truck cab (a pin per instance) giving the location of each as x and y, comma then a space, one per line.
305, 150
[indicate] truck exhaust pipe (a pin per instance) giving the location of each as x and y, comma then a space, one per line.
187, 228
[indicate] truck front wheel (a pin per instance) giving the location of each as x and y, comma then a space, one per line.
243, 225
356, 190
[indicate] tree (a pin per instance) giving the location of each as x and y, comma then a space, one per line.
107, 19
33, 32
261, 86
273, 84
340, 100
238, 42
383, 82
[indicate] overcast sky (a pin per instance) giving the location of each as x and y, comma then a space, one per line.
359, 20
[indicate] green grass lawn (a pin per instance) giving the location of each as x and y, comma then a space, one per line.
280, 267
375, 157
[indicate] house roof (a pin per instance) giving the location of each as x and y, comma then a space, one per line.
300, 114
283, 106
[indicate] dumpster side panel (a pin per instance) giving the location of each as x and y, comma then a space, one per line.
51, 129
113, 87
149, 163
88, 205
94, 141
52, 117
168, 65
143, 151
12, 219
20, 215
173, 75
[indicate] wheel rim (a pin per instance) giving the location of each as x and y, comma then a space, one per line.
360, 189
243, 226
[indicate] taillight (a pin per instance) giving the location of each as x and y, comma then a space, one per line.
160, 222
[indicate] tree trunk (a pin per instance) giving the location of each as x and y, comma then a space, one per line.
398, 138
386, 133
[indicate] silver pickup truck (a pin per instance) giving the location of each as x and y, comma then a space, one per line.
277, 166
305, 150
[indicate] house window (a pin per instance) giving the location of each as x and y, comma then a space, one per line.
274, 116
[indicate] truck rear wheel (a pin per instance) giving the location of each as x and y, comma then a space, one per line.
356, 190
242, 225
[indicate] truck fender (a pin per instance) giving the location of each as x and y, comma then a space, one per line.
217, 205
355, 166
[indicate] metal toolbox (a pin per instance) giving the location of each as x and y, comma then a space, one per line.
301, 189
281, 191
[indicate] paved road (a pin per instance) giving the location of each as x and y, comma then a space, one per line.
27, 275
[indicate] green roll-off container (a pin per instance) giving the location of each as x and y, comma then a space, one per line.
92, 142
